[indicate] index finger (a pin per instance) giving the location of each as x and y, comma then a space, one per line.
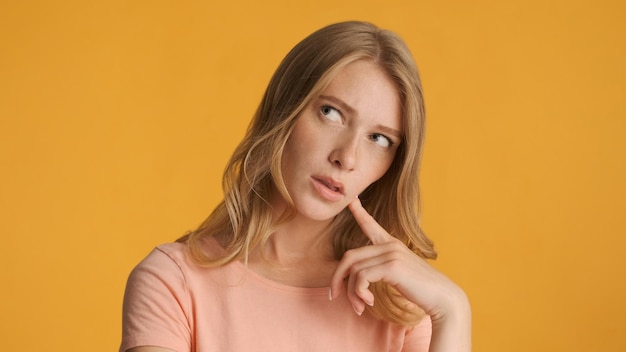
371, 228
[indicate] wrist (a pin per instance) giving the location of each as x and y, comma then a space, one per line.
452, 326
456, 309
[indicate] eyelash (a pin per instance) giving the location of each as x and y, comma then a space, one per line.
378, 135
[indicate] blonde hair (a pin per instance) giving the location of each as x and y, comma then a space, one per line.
243, 220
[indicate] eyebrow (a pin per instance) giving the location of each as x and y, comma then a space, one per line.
343, 105
347, 108
389, 130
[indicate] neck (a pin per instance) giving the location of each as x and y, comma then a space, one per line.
299, 253
299, 240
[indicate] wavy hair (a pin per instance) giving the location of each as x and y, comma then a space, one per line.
243, 220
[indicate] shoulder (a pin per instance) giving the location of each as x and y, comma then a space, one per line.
163, 259
172, 265
175, 256
163, 269
170, 253
157, 303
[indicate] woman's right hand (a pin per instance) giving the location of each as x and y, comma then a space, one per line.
390, 261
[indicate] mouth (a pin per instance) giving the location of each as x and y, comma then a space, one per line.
329, 183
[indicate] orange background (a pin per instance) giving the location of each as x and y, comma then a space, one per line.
117, 118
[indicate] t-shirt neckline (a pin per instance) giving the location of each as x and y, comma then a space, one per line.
258, 278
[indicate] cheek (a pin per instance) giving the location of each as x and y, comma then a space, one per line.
298, 151
292, 155
375, 170
306, 142
383, 164
374, 176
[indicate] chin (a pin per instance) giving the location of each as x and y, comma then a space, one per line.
320, 213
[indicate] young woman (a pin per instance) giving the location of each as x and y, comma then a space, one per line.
317, 244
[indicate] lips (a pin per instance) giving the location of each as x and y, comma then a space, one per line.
328, 188
330, 183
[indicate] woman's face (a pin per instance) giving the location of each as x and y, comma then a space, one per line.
343, 141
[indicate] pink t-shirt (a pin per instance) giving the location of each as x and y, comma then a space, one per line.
172, 302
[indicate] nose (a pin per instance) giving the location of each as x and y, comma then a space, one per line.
345, 153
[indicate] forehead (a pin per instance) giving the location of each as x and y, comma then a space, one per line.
366, 90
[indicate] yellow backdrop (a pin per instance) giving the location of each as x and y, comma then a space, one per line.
117, 117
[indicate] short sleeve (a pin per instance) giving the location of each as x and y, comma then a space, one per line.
156, 305
417, 339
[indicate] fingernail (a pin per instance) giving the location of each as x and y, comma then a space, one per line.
357, 311
330, 294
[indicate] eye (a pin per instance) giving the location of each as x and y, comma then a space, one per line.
330, 113
381, 140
